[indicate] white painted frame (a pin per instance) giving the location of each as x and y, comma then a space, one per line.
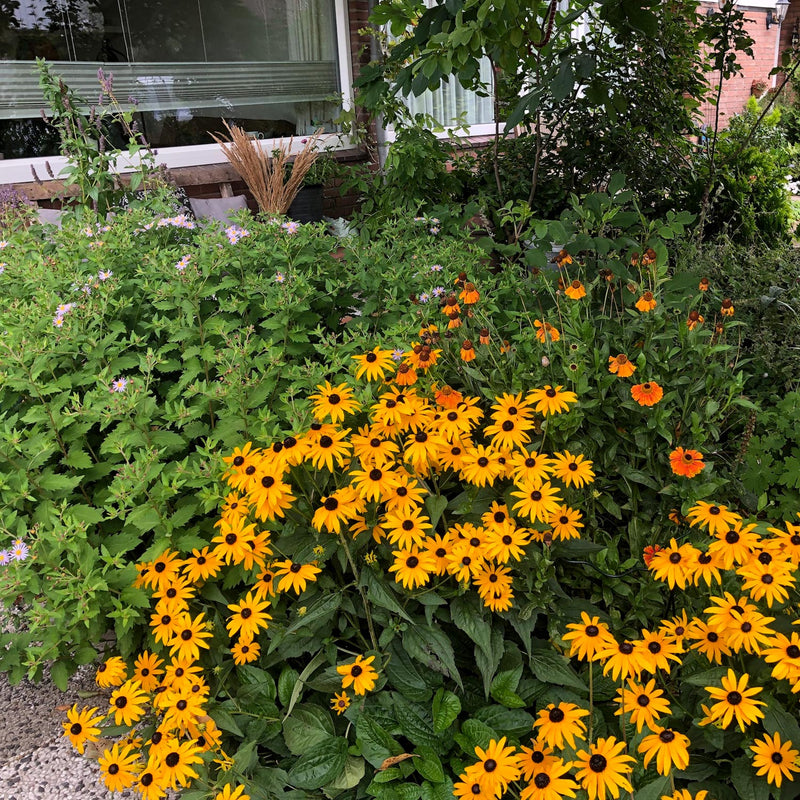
18, 170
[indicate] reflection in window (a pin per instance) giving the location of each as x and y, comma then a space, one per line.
268, 65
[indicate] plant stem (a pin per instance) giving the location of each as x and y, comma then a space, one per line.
362, 592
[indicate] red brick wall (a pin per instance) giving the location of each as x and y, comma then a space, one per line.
738, 89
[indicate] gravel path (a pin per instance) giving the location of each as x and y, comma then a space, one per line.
36, 761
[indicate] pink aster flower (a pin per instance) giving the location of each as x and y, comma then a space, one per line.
119, 385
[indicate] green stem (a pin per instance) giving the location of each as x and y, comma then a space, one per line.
362, 592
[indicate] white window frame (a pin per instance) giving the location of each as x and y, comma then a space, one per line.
18, 170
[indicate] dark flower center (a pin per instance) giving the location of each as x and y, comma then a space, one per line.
356, 670
146, 779
654, 647
375, 474
768, 579
407, 525
181, 705
530, 463
268, 481
508, 425
421, 437
643, 700
289, 442
572, 466
75, 728
666, 736
371, 358
201, 560
295, 568
765, 558
186, 635
179, 672
476, 788
536, 495
550, 392
715, 510
172, 760
145, 672
412, 562
238, 461
441, 552
334, 398
712, 637
507, 540
246, 612
325, 441
598, 763
452, 416
793, 651
734, 698
731, 537
230, 539
113, 769
121, 702
490, 765
777, 758
499, 516
541, 780
483, 462
537, 756
592, 630
331, 504
250, 470
160, 567
675, 558
401, 491
626, 648
704, 558
156, 737
556, 715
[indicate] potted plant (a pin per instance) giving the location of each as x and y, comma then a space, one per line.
308, 205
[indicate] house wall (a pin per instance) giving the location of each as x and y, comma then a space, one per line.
754, 77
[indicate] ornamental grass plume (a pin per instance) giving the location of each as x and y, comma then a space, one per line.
265, 174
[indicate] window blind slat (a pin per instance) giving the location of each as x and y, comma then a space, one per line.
162, 86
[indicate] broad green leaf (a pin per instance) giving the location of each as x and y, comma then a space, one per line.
446, 708
376, 743
306, 727
323, 765
550, 667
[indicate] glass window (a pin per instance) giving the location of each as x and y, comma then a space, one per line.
268, 65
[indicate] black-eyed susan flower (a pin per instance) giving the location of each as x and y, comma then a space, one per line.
467, 788
551, 782
190, 636
530, 468
245, 652
588, 638
148, 784
333, 402
248, 618
481, 466
674, 564
767, 578
127, 703
647, 394
604, 768
551, 400
658, 650
421, 448
676, 628
373, 449
572, 470
706, 567
708, 641
233, 540
146, 670
774, 759
331, 447
202, 565
340, 702
686, 462
735, 545
560, 724
490, 578
112, 672
294, 575
242, 465
361, 675
177, 762
785, 654
119, 766
537, 502
181, 673
232, 793
497, 765
407, 529
534, 758
510, 433
735, 701
464, 561
413, 566
82, 727
182, 709
565, 522
375, 364
749, 631
506, 541
669, 747
234, 506
715, 516
621, 366
723, 611
176, 593
644, 702
623, 660
499, 600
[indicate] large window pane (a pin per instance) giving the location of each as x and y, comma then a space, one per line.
269, 65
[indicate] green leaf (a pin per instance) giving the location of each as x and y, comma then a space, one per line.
375, 742
378, 594
404, 676
435, 506
320, 609
306, 727
654, 790
748, 785
475, 734
59, 674
225, 721
709, 677
432, 648
429, 766
550, 667
414, 721
351, 776
286, 683
503, 687
446, 708
778, 720
322, 766
469, 618
512, 722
